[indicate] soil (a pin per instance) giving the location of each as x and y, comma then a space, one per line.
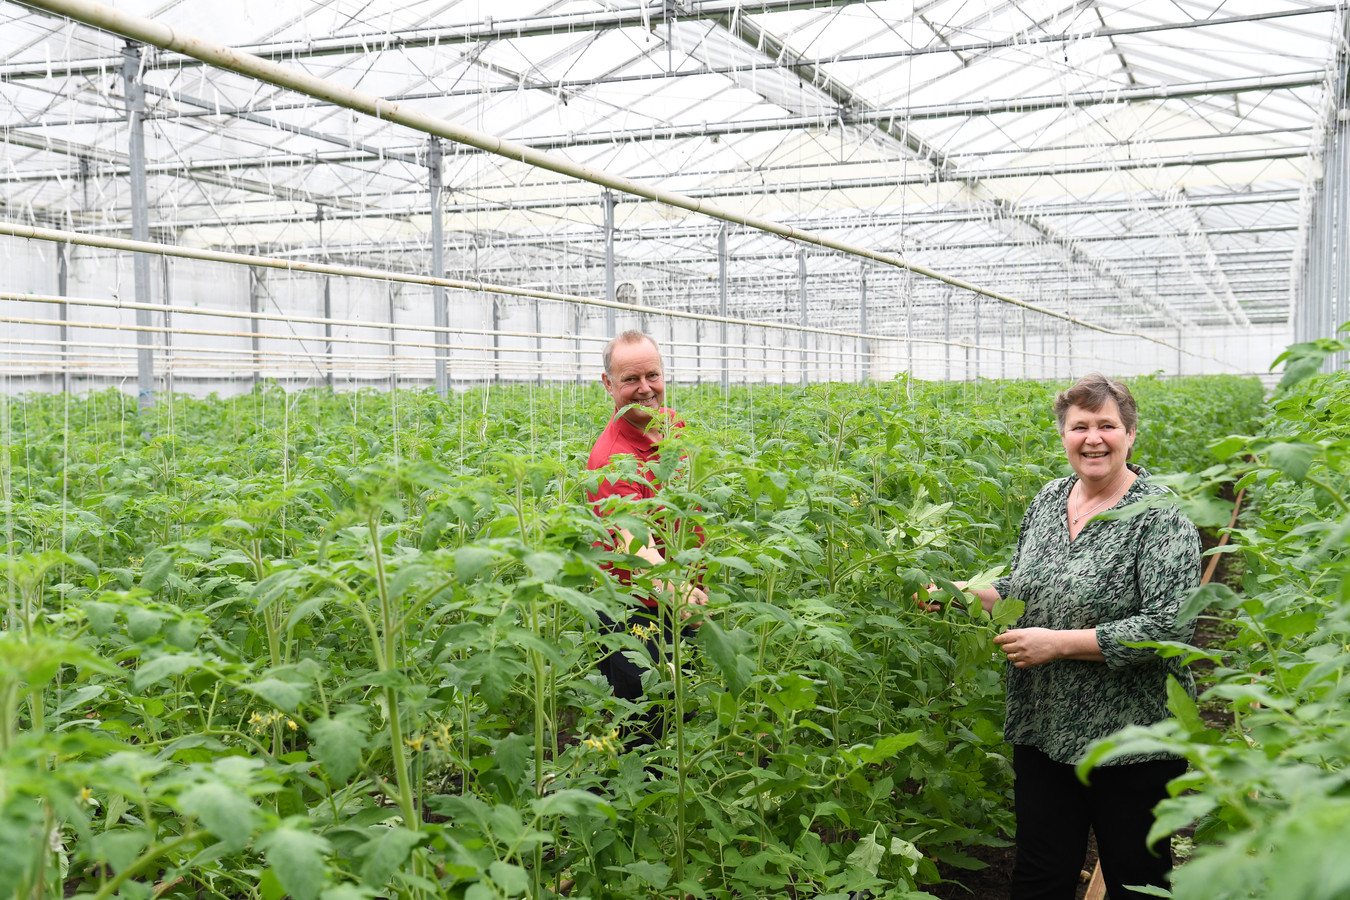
992, 882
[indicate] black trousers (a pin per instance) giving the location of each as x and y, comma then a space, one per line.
625, 676
1055, 810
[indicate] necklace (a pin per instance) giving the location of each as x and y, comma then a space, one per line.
1109, 498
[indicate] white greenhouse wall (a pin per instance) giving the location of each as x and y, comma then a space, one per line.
539, 340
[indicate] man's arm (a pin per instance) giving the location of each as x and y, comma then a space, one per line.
692, 593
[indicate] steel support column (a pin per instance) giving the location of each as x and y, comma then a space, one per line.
577, 322
328, 330
167, 300
63, 288
801, 295
140, 224
440, 313
862, 324
1024, 343
976, 352
722, 301
395, 291
607, 198
947, 333
256, 289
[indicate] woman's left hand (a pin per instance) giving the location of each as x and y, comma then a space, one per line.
1029, 646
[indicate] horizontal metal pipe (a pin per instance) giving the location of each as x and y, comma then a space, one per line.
640, 16
318, 268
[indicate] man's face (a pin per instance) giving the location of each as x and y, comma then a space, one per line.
635, 376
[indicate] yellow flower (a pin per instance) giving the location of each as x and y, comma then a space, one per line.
644, 632
607, 744
443, 738
415, 743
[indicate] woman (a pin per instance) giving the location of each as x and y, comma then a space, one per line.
1090, 586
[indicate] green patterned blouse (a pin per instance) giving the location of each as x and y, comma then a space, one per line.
1127, 578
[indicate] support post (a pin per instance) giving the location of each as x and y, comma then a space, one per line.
801, 295
576, 330
607, 202
909, 321
538, 343
256, 289
167, 299
947, 332
975, 310
440, 313
862, 325
722, 300
698, 351
1003, 342
328, 329
140, 223
1024, 342
395, 291
63, 288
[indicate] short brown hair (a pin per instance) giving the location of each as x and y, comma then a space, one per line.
632, 336
1091, 393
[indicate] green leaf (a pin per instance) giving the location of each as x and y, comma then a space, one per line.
101, 617
348, 891
281, 694
655, 874
120, 848
867, 855
511, 879
888, 746
164, 667
731, 651
513, 754
1294, 623
471, 560
296, 857
573, 802
142, 623
385, 852
1202, 598
544, 566
337, 744
156, 569
1007, 611
1292, 459
1229, 446
226, 812
1180, 704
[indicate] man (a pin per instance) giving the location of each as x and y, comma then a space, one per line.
635, 380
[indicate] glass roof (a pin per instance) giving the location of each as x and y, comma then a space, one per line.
1137, 163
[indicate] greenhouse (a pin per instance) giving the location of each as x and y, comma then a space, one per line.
784, 192
605, 449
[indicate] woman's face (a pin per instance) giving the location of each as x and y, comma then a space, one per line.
1097, 443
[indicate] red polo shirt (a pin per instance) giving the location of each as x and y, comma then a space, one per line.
623, 438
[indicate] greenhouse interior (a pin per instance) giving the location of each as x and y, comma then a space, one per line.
205, 198
645, 449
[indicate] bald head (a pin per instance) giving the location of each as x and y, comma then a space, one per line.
625, 339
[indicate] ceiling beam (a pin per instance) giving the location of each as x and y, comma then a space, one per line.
641, 16
815, 77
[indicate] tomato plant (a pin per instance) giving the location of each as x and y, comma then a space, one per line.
338, 646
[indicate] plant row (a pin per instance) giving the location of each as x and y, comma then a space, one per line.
339, 646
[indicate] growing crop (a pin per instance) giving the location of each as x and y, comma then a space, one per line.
341, 646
